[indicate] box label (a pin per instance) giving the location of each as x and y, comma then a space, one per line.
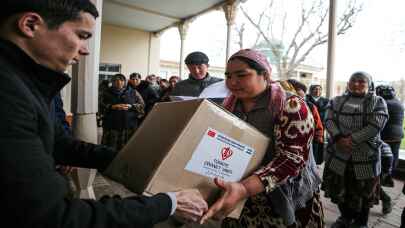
218, 155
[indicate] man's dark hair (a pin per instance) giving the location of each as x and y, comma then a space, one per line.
135, 76
196, 57
313, 87
54, 12
116, 77
298, 85
385, 91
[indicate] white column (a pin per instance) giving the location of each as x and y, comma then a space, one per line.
154, 54
85, 104
330, 72
183, 27
230, 9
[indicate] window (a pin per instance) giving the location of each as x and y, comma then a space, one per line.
107, 70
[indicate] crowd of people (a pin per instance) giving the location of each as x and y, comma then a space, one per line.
355, 135
123, 104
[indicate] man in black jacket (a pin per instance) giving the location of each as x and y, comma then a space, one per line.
314, 96
199, 78
321, 104
393, 131
39, 39
149, 95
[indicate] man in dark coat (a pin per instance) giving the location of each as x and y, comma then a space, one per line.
149, 95
393, 131
39, 39
315, 97
321, 104
199, 78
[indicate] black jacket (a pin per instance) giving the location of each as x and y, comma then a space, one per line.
321, 104
193, 87
59, 113
149, 95
32, 193
393, 130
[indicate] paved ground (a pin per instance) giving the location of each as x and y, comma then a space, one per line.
105, 186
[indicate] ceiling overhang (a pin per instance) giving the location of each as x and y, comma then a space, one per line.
155, 15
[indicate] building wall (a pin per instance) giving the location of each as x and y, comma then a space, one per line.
135, 50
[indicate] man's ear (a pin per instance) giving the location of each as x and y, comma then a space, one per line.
29, 23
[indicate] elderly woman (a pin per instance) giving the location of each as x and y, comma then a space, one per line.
122, 108
353, 165
284, 191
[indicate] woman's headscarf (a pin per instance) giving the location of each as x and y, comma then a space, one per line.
255, 56
115, 78
277, 94
365, 76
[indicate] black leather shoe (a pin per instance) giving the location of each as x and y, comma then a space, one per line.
386, 206
341, 222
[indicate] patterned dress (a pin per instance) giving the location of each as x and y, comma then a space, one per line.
294, 202
352, 179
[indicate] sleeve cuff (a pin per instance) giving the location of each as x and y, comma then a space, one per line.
173, 198
269, 183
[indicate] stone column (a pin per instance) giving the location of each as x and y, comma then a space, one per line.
85, 104
330, 71
153, 53
230, 9
183, 28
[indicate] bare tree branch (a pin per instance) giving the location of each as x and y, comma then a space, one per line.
309, 33
273, 47
321, 40
284, 26
240, 31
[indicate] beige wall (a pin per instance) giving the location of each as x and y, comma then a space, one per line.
135, 50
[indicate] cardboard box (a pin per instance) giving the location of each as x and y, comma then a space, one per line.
185, 144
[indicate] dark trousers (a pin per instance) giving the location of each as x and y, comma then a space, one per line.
403, 211
395, 152
403, 219
359, 218
318, 152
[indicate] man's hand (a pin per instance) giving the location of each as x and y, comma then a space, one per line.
190, 205
64, 169
345, 144
318, 137
234, 192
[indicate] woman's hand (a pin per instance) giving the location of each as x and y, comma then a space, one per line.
234, 192
120, 106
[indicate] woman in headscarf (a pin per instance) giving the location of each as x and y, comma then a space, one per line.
353, 166
122, 109
284, 192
